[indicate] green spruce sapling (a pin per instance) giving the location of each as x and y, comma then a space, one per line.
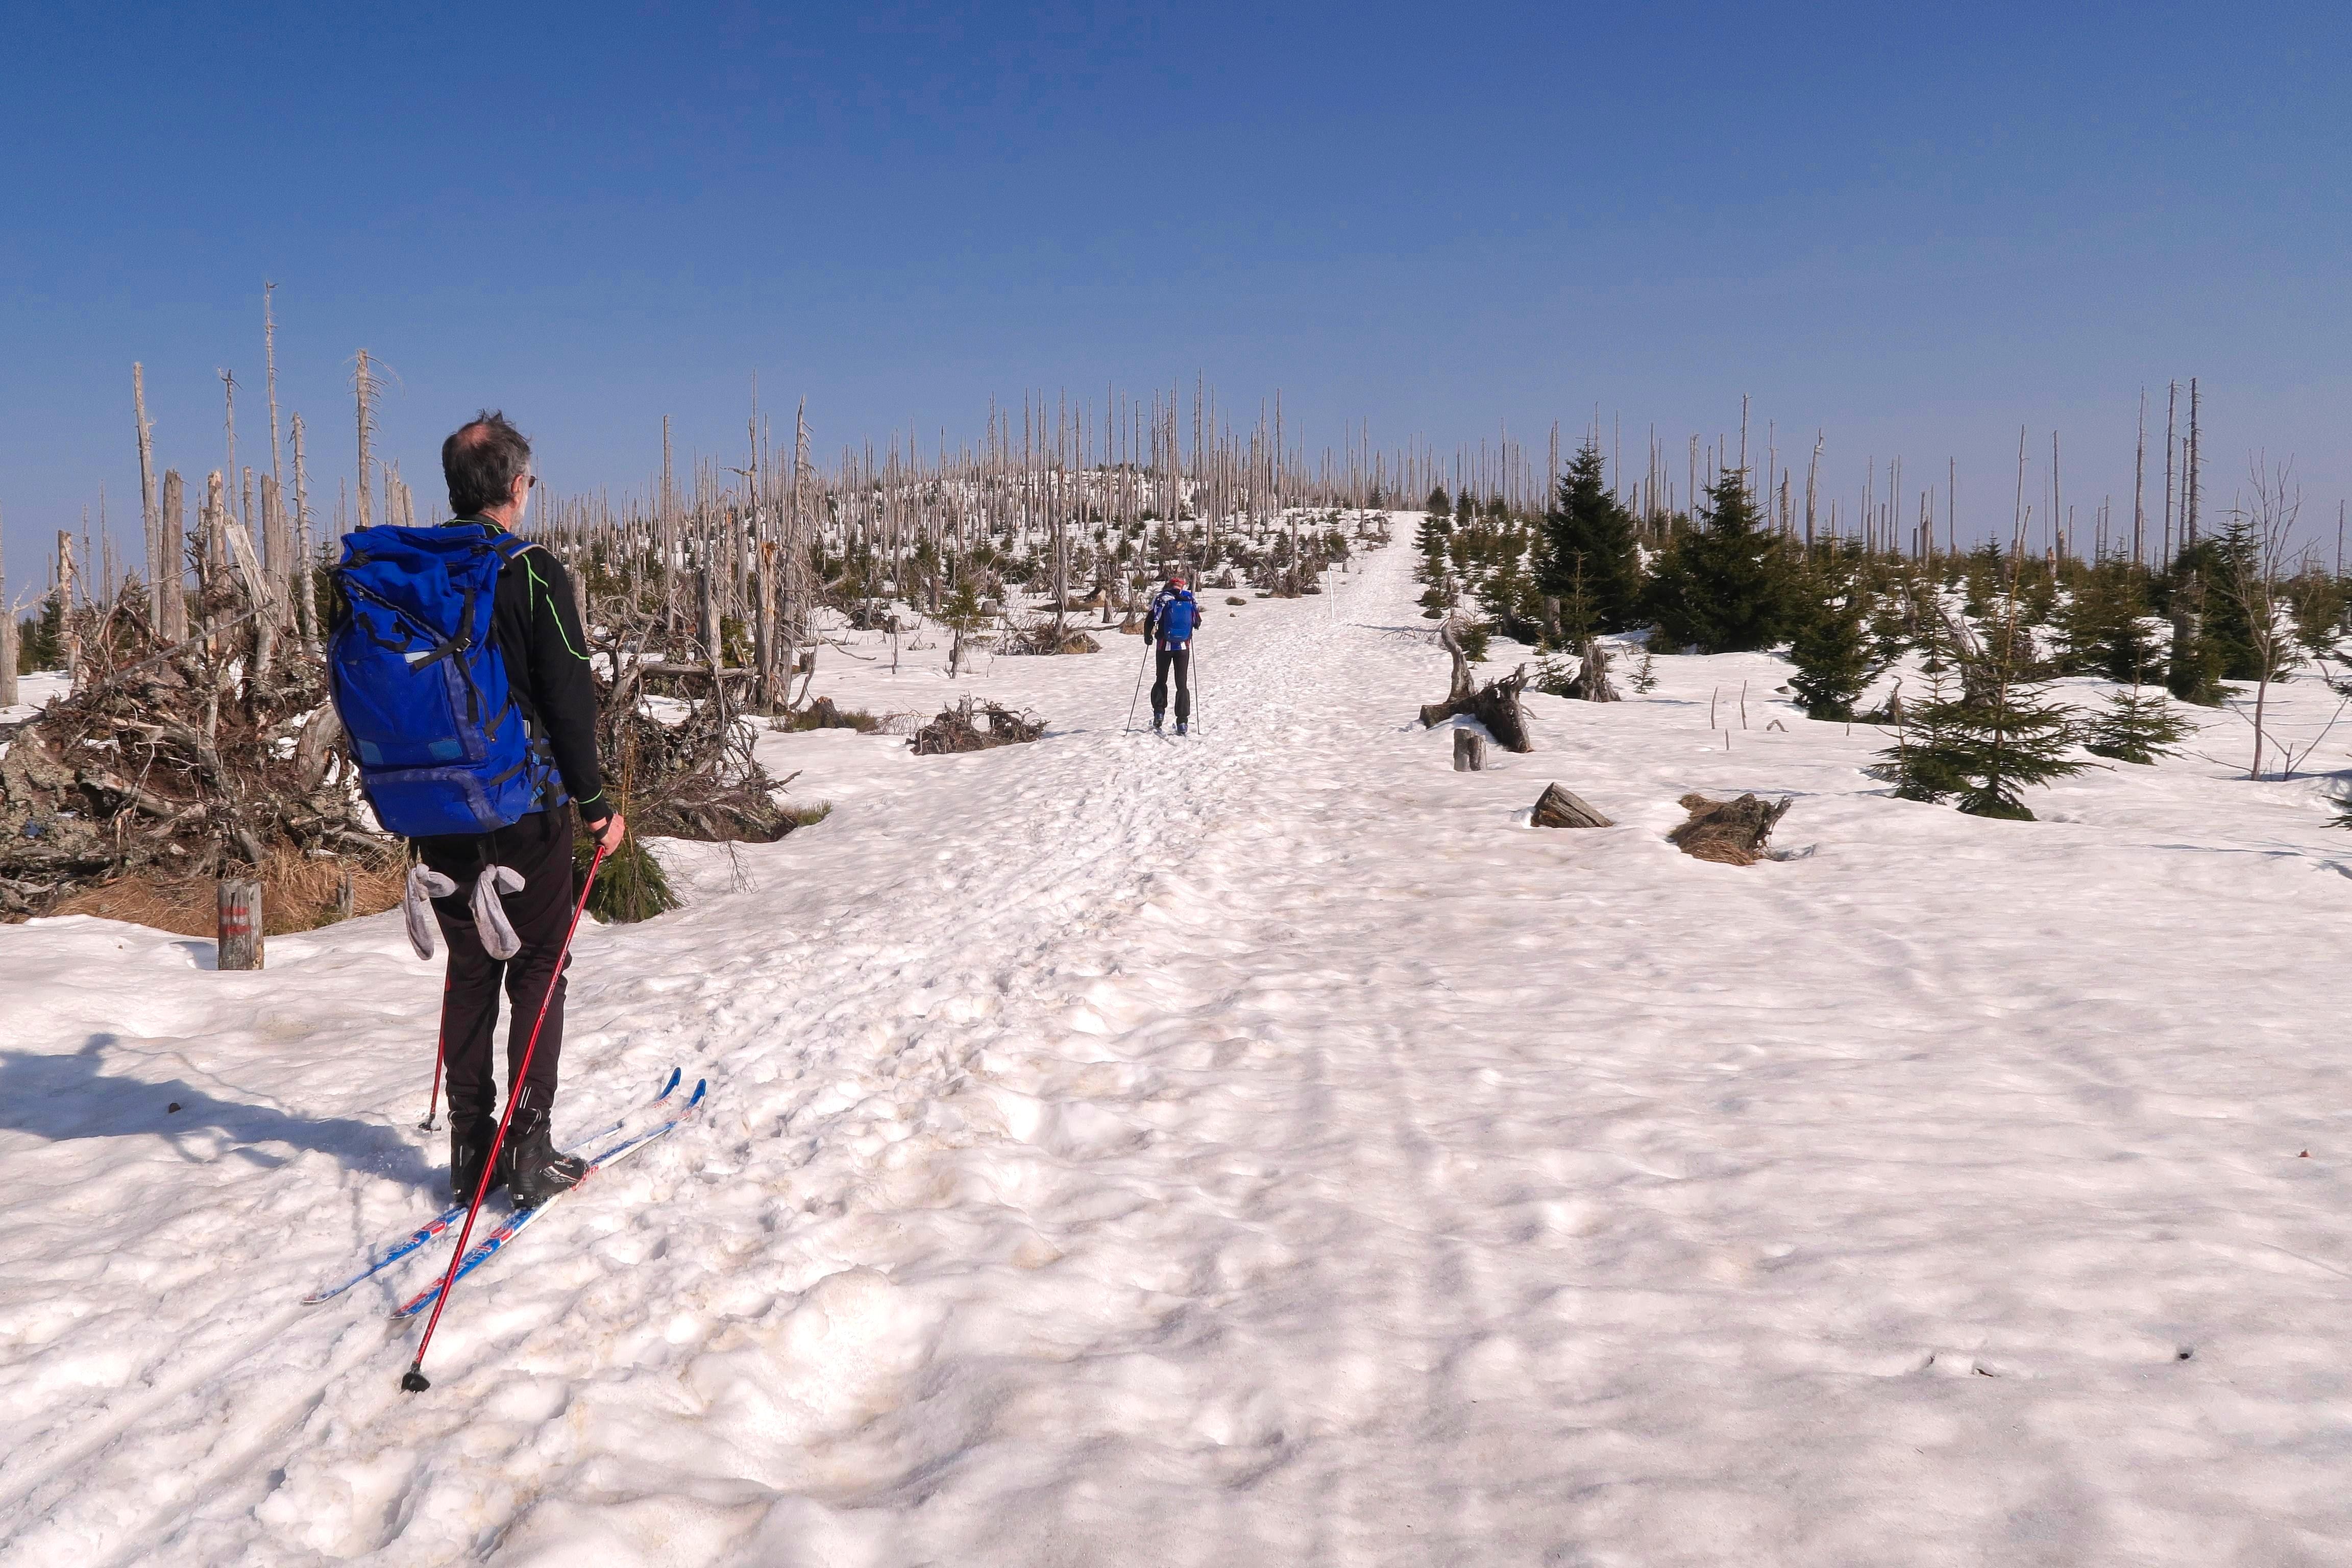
2136, 727
1723, 586
1999, 735
1588, 548
1831, 652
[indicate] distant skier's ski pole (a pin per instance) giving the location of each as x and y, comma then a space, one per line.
1138, 681
413, 1381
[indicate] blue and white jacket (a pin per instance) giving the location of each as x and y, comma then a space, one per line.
1172, 619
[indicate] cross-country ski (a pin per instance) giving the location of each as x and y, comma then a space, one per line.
482, 1251
439, 1224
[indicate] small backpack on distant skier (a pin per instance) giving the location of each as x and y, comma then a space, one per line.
1174, 614
422, 689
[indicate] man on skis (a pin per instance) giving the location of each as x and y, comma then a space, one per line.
502, 718
1168, 627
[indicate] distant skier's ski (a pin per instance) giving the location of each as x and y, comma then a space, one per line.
485, 1248
449, 1217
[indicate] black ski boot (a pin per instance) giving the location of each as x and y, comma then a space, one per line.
535, 1170
469, 1147
1157, 716
1180, 726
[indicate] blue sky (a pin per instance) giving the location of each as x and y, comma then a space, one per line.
1917, 229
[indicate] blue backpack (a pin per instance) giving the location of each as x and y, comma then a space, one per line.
1179, 613
422, 689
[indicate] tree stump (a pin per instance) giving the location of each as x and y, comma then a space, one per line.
1729, 832
1592, 674
1496, 704
1469, 752
1559, 807
240, 925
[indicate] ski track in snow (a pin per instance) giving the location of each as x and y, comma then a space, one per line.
1257, 1148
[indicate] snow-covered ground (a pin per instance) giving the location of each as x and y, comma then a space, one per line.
32, 691
1258, 1149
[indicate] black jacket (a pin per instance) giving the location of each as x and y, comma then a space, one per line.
535, 625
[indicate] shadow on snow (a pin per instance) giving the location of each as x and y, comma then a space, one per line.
61, 1097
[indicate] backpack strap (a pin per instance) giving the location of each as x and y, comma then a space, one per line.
538, 754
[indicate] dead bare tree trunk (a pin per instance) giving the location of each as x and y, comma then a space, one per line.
1459, 689
765, 690
2251, 583
306, 609
8, 697
66, 608
1592, 674
170, 586
149, 513
363, 383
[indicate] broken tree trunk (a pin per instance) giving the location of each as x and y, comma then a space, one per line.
1459, 692
1496, 704
171, 603
314, 745
7, 643
65, 608
1593, 675
1731, 832
1469, 752
767, 690
1559, 807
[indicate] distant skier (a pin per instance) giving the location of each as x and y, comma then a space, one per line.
1169, 625
459, 669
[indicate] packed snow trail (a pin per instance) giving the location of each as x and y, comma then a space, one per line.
1255, 1148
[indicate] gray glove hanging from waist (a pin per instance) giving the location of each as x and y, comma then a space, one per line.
424, 884
490, 913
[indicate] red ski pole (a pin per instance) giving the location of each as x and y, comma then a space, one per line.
414, 1381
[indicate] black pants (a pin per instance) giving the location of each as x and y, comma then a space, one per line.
540, 848
1180, 660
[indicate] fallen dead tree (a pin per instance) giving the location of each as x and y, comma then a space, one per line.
961, 729
696, 778
1496, 704
176, 759
1050, 637
1729, 832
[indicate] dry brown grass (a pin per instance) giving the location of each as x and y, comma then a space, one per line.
1729, 832
297, 893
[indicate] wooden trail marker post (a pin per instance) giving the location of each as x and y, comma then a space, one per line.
240, 925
